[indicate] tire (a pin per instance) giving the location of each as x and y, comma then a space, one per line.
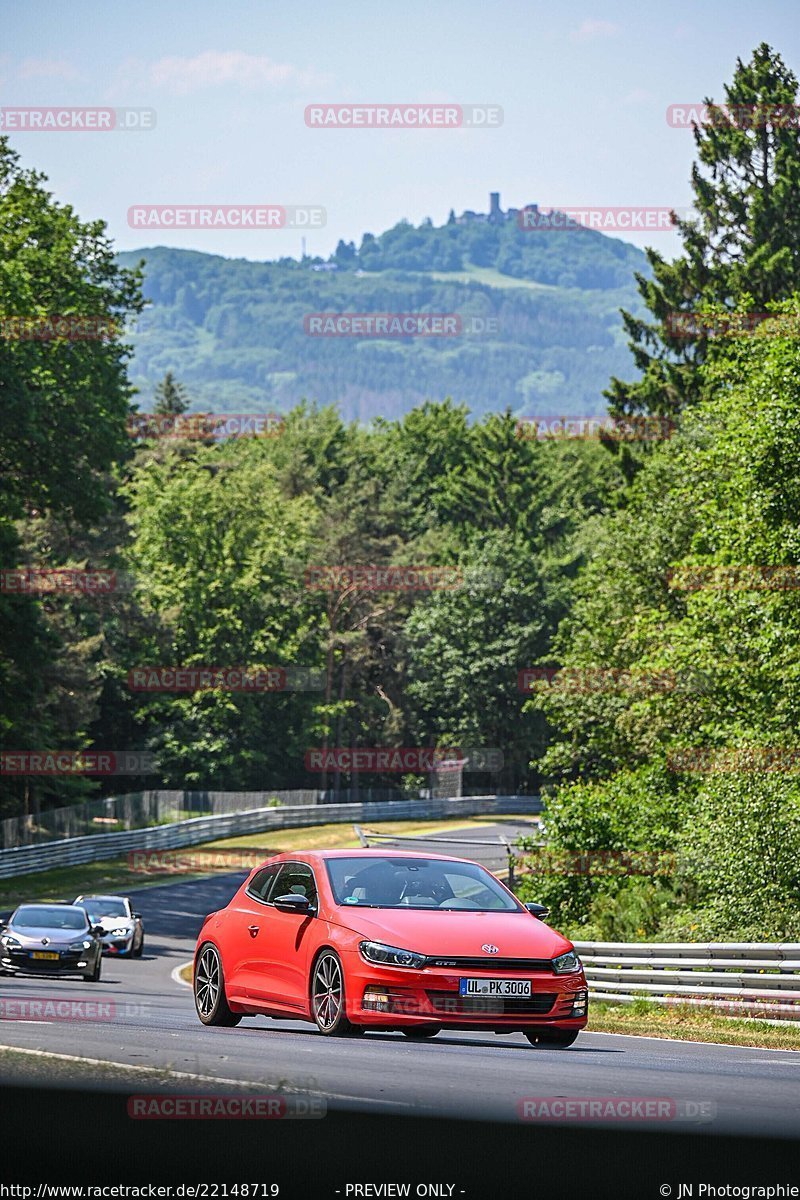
137, 953
421, 1033
208, 988
94, 976
328, 997
554, 1039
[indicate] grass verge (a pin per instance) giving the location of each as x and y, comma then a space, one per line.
686, 1023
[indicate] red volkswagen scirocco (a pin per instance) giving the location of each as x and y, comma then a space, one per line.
359, 940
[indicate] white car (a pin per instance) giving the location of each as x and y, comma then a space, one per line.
123, 931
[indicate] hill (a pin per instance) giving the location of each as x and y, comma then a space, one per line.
539, 329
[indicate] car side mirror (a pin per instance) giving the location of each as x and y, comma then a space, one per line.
136, 916
293, 903
538, 910
98, 930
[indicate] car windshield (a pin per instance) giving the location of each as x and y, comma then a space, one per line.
45, 917
385, 882
98, 908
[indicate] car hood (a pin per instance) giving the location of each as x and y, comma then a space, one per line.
31, 937
109, 923
456, 932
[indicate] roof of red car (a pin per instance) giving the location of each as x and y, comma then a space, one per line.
371, 851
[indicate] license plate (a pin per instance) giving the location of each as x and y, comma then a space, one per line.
44, 954
494, 987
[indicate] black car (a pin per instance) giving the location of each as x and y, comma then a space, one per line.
51, 939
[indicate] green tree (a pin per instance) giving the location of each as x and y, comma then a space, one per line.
219, 552
64, 401
743, 248
677, 594
170, 397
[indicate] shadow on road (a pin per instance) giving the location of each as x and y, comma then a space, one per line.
177, 910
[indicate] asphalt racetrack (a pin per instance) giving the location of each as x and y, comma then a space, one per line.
719, 1089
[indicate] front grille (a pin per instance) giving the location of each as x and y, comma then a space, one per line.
451, 1004
490, 963
45, 965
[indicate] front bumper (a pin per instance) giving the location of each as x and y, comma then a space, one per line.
116, 945
19, 962
396, 997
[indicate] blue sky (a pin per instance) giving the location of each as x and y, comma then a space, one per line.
584, 88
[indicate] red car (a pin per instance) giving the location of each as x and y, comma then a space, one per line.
365, 939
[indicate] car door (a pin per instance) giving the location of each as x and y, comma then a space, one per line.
242, 941
284, 941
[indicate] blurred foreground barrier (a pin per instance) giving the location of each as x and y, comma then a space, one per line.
747, 979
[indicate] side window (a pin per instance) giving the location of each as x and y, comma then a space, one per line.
261, 882
295, 878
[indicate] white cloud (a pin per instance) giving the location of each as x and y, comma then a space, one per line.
214, 68
588, 30
47, 68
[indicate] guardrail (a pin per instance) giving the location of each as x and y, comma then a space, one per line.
752, 979
26, 860
503, 861
163, 806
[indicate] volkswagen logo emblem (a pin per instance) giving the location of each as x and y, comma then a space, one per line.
45, 941
489, 948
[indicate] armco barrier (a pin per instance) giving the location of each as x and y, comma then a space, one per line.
756, 979
71, 852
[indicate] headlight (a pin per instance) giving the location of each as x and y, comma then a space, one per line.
80, 945
390, 956
120, 932
11, 943
565, 964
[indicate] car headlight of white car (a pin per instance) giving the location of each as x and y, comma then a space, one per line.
123, 931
